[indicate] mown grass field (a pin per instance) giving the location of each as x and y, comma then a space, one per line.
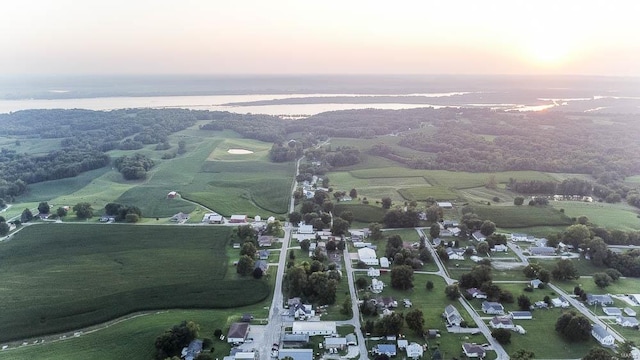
611, 216
57, 277
361, 212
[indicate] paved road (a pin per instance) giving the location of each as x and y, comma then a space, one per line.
442, 272
355, 320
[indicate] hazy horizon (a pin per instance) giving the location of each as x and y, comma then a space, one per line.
196, 37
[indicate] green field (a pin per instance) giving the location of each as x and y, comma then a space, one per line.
57, 277
522, 216
361, 212
611, 216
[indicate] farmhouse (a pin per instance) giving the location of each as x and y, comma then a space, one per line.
172, 195
300, 311
602, 335
312, 328
191, 352
368, 256
452, 315
492, 308
335, 343
629, 311
385, 349
237, 332
238, 219
296, 354
473, 350
477, 293
521, 315
501, 323
612, 311
601, 300
627, 321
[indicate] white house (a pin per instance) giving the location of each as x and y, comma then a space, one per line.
518, 237
376, 286
599, 299
368, 256
627, 321
602, 335
521, 315
492, 308
477, 236
305, 229
414, 351
477, 293
500, 248
372, 272
335, 343
560, 302
445, 204
384, 262
629, 311
452, 315
499, 322
535, 283
312, 328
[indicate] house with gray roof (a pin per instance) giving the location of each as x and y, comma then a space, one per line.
601, 300
385, 349
473, 350
602, 335
191, 351
627, 321
452, 315
493, 308
500, 322
612, 311
296, 354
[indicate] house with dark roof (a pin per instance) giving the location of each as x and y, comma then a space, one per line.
501, 322
191, 351
542, 250
478, 236
238, 332
265, 240
473, 350
452, 315
477, 293
262, 265
263, 254
601, 300
493, 308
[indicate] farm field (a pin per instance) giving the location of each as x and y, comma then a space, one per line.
522, 216
611, 216
57, 277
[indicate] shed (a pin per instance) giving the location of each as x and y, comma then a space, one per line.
237, 219
629, 311
312, 328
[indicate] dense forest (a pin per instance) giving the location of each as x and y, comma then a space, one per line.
84, 136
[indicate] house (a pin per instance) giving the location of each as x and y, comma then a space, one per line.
300, 311
477, 236
361, 244
535, 283
387, 302
477, 293
436, 242
295, 340
313, 328
339, 343
191, 351
445, 204
612, 311
414, 351
455, 254
402, 344
384, 262
446, 233
521, 315
560, 302
265, 240
238, 219
385, 349
372, 272
500, 248
376, 286
180, 217
627, 321
518, 237
236, 245
499, 322
238, 332
407, 303
296, 354
448, 224
629, 311
542, 251
452, 315
602, 335
263, 254
172, 195
368, 256
214, 219
473, 350
601, 300
262, 265
492, 308
540, 305
305, 229
351, 339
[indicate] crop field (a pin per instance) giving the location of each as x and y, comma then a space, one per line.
422, 193
59, 277
361, 212
522, 216
611, 216
259, 149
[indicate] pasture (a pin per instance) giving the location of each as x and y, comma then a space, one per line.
57, 277
522, 216
361, 212
611, 216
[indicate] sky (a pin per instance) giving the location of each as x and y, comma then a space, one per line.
320, 37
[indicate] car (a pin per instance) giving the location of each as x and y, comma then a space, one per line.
276, 345
274, 353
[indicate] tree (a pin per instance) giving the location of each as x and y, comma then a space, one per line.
597, 353
531, 270
565, 270
375, 231
4, 228
614, 274
340, 226
434, 231
429, 285
524, 303
625, 350
353, 193
523, 354
347, 216
503, 336
391, 324
26, 216
292, 255
434, 213
132, 218
602, 280
598, 251
257, 273
305, 245
518, 200
452, 292
347, 308
295, 281
402, 277
331, 245
483, 247
415, 321
274, 228
249, 249
573, 327
386, 202
576, 235
171, 342
61, 212
362, 283
544, 275
245, 265
487, 228
44, 208
492, 183
83, 210
295, 218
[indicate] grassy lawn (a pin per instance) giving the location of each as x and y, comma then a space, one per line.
60, 277
611, 216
